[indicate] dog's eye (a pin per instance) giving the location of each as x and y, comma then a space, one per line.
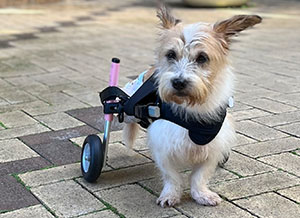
202, 58
171, 55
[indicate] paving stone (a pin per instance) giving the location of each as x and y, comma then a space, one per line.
121, 177
80, 140
94, 117
89, 82
249, 114
28, 212
17, 96
239, 106
293, 129
116, 136
14, 195
286, 85
88, 98
130, 200
255, 94
243, 140
59, 152
254, 185
146, 153
59, 121
65, 134
67, 199
225, 209
269, 147
104, 214
59, 102
4, 85
24, 81
257, 131
8, 151
50, 79
48, 109
16, 119
140, 144
246, 166
24, 106
291, 99
179, 216
286, 161
21, 166
270, 205
3, 102
156, 184
292, 193
22, 130
47, 176
269, 105
119, 156
279, 119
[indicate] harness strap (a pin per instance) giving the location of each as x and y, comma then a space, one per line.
146, 105
111, 93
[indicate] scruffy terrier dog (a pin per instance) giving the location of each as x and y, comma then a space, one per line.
194, 75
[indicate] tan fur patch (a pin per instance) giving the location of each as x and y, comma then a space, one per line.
167, 19
236, 24
148, 74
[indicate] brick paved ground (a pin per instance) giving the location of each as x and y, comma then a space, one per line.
55, 58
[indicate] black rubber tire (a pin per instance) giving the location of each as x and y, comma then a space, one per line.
97, 152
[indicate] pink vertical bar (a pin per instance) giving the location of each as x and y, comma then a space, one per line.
113, 80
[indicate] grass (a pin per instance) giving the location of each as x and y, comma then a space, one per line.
74, 143
235, 173
4, 211
295, 153
113, 209
19, 180
43, 124
2, 125
148, 189
47, 167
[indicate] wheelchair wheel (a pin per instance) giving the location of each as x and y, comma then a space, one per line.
92, 158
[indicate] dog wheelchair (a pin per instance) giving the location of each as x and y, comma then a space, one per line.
146, 106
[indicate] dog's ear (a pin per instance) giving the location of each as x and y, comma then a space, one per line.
236, 24
167, 19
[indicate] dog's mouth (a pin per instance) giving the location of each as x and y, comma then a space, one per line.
179, 97
181, 93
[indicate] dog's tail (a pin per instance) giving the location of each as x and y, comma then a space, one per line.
130, 133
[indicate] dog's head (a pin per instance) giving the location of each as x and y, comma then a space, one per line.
190, 58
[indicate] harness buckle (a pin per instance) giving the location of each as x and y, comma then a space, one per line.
153, 111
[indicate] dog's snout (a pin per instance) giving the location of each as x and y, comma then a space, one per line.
179, 84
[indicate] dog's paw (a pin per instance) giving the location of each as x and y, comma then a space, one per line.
207, 198
168, 200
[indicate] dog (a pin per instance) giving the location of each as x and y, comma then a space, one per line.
193, 74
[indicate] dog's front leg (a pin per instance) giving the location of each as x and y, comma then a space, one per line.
199, 179
172, 190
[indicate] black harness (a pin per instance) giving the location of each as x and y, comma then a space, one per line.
146, 105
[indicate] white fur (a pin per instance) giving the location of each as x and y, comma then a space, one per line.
193, 32
170, 144
174, 148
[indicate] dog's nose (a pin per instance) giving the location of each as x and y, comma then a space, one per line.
179, 84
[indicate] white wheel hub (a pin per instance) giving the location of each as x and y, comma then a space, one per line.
86, 157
